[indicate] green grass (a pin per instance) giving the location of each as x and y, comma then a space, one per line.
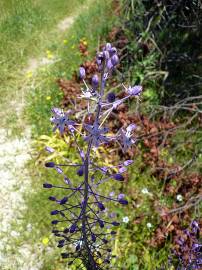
27, 28
92, 24
42, 93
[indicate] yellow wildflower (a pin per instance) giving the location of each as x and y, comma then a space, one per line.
48, 98
45, 240
65, 41
29, 74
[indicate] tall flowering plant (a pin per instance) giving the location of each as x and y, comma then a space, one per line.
83, 224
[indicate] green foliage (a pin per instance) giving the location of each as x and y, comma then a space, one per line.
91, 25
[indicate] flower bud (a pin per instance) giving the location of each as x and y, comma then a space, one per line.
64, 255
51, 198
104, 241
54, 212
101, 206
93, 237
108, 46
113, 51
80, 171
122, 201
128, 162
106, 55
54, 222
82, 73
101, 223
72, 228
109, 64
118, 177
66, 230
95, 81
50, 164
111, 97
47, 185
115, 60
63, 201
115, 223
49, 149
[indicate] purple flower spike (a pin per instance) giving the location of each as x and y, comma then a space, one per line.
82, 73
118, 177
85, 221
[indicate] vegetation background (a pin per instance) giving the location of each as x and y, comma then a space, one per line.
42, 45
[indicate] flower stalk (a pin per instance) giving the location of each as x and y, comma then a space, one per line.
89, 226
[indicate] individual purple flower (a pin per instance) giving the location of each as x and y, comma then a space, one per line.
134, 91
96, 135
82, 73
61, 120
125, 137
95, 81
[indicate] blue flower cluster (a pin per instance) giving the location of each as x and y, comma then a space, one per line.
83, 223
189, 254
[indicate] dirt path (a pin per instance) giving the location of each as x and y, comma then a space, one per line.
15, 180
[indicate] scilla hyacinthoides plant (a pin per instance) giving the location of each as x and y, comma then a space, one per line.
83, 224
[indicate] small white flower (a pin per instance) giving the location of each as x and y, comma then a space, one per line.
149, 225
125, 219
179, 198
29, 227
145, 191
15, 234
